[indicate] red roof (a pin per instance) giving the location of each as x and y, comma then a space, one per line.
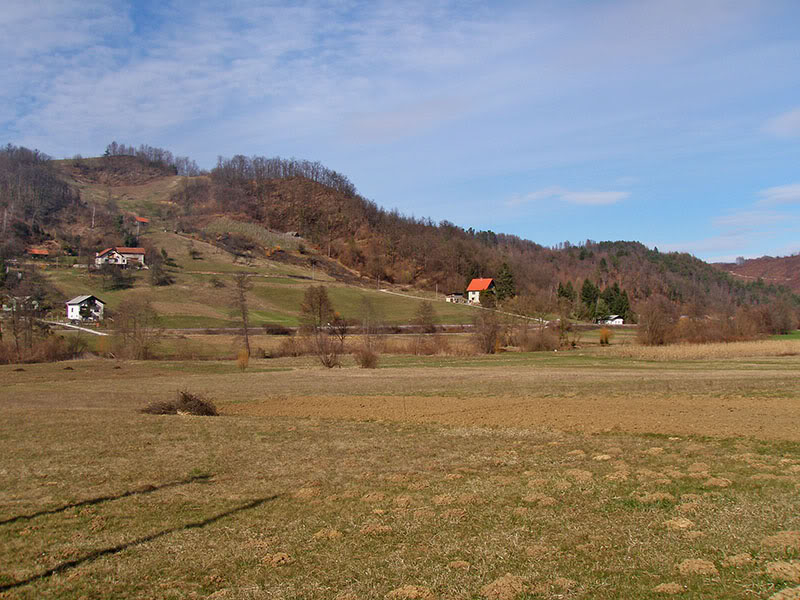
480, 285
143, 219
122, 250
39, 252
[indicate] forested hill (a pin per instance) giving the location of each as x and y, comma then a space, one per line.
325, 208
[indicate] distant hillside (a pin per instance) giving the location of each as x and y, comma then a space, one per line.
246, 205
784, 270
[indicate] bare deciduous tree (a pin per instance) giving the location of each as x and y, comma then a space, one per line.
243, 285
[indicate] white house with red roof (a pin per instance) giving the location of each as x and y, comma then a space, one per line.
476, 286
120, 255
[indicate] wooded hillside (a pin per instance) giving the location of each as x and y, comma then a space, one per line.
325, 208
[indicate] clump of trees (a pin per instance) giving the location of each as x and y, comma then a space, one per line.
661, 323
136, 329
182, 165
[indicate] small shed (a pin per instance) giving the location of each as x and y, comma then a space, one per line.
455, 298
476, 286
85, 308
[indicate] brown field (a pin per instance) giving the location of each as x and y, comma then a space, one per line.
519, 476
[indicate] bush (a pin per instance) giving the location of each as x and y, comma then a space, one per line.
605, 336
487, 332
243, 359
657, 317
290, 346
185, 403
366, 358
538, 340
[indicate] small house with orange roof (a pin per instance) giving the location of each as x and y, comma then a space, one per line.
476, 286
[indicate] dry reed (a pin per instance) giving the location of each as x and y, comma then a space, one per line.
708, 351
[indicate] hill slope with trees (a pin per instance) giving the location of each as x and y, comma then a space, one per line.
77, 206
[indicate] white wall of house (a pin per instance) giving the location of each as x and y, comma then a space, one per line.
474, 297
111, 258
74, 311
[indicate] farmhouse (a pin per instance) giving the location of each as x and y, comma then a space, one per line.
476, 286
85, 308
38, 253
119, 255
611, 320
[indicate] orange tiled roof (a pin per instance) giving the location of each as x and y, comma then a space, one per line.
480, 285
143, 219
121, 250
39, 252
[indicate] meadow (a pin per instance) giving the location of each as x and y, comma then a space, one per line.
584, 474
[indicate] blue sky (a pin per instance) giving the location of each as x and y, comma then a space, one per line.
673, 123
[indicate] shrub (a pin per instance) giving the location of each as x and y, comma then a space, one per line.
185, 403
487, 331
605, 336
290, 346
538, 340
657, 317
366, 358
243, 359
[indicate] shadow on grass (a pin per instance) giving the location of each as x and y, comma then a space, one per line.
142, 540
99, 500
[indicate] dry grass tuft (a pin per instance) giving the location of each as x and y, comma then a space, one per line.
679, 524
669, 588
783, 541
697, 566
507, 587
738, 560
787, 594
410, 592
784, 571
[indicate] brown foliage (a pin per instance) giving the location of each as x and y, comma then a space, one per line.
366, 357
487, 331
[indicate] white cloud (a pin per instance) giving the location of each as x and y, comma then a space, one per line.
559, 194
784, 125
781, 194
751, 218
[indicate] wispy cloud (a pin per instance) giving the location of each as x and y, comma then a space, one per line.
748, 219
784, 125
559, 194
781, 194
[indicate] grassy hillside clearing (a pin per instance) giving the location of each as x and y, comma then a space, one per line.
607, 478
202, 295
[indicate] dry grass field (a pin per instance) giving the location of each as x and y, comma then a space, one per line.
516, 476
